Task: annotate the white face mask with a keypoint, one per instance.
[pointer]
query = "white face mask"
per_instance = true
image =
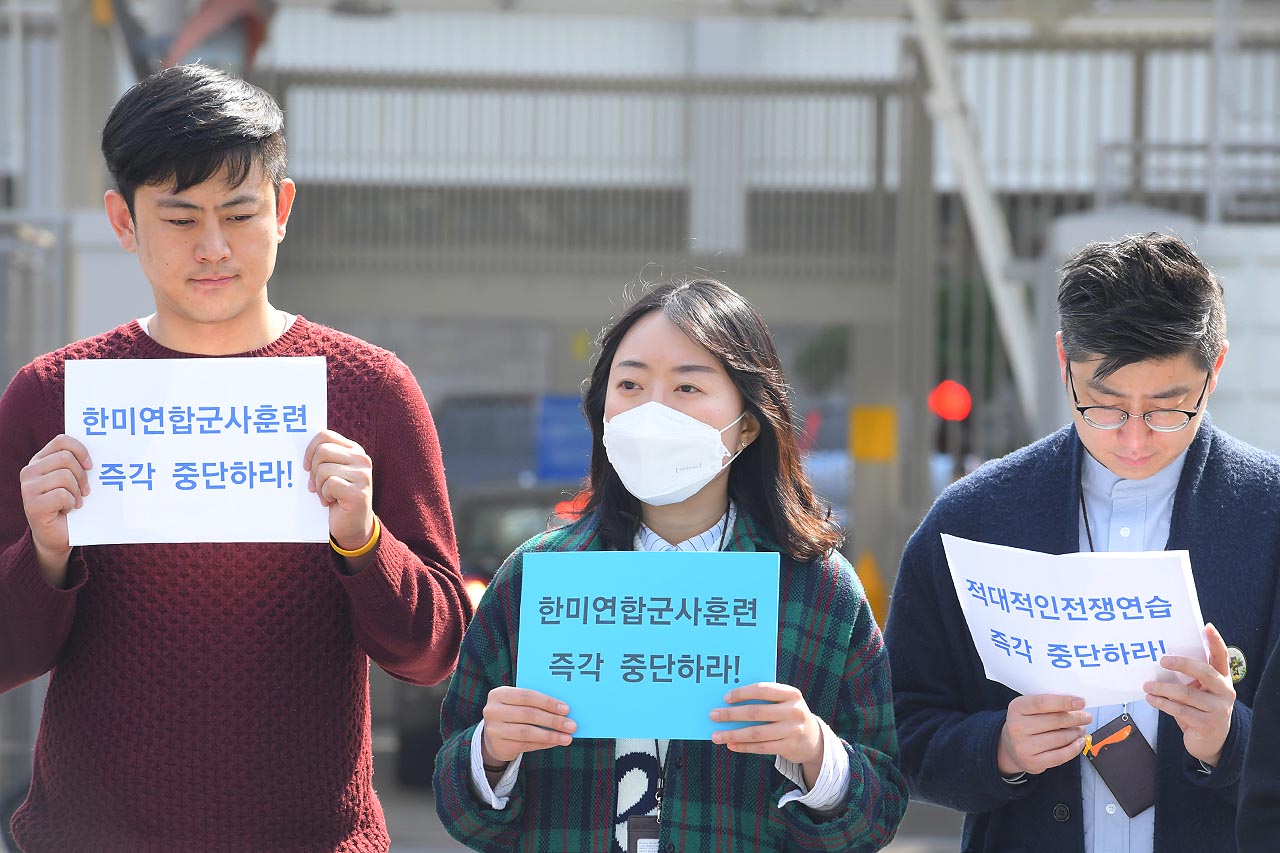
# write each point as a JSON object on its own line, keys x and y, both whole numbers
{"x": 663, "y": 456}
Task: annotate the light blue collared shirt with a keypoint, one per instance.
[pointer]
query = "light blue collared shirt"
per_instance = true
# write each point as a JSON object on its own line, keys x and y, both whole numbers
{"x": 1124, "y": 515}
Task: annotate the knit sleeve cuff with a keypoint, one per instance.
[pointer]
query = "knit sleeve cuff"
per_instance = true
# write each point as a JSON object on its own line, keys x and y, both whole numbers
{"x": 35, "y": 618}
{"x": 376, "y": 584}
{"x": 29, "y": 582}
{"x": 989, "y": 726}
{"x": 1226, "y": 774}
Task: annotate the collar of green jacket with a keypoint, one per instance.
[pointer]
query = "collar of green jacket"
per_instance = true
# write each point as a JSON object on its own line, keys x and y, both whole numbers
{"x": 582, "y": 535}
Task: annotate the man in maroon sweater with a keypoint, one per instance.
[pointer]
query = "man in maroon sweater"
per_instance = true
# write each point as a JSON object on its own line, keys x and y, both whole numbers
{"x": 216, "y": 696}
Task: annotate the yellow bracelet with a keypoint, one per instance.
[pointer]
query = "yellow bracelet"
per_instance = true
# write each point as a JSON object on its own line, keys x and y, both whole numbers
{"x": 364, "y": 549}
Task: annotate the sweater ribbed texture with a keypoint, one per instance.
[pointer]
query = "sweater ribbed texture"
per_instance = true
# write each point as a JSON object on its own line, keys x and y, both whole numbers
{"x": 215, "y": 696}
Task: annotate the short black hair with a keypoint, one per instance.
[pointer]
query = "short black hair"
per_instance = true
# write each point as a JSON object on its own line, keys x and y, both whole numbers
{"x": 185, "y": 124}
{"x": 1140, "y": 298}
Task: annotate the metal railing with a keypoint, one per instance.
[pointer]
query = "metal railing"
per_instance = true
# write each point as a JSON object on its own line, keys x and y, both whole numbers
{"x": 445, "y": 172}
{"x": 1175, "y": 176}
{"x": 1044, "y": 107}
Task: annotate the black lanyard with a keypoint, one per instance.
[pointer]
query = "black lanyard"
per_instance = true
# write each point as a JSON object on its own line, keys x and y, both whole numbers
{"x": 1084, "y": 510}
{"x": 657, "y": 747}
{"x": 662, "y": 772}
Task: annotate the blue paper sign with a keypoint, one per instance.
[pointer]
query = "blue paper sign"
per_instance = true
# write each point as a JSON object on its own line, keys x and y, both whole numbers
{"x": 643, "y": 644}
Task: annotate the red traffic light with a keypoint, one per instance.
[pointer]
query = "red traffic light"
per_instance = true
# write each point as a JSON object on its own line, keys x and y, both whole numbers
{"x": 950, "y": 401}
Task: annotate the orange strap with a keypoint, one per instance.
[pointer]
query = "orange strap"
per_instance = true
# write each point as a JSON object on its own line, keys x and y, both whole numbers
{"x": 1091, "y": 748}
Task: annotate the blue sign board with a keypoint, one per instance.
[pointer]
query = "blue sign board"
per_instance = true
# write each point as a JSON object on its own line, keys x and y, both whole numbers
{"x": 564, "y": 441}
{"x": 643, "y": 644}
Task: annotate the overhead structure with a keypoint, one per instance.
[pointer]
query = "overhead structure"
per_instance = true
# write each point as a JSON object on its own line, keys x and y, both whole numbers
{"x": 1064, "y": 16}
{"x": 990, "y": 230}
{"x": 1224, "y": 46}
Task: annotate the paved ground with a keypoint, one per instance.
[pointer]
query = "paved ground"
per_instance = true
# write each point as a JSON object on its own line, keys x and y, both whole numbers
{"x": 411, "y": 817}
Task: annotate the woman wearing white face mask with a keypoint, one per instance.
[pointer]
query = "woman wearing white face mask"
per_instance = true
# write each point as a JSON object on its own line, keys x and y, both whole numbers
{"x": 694, "y": 449}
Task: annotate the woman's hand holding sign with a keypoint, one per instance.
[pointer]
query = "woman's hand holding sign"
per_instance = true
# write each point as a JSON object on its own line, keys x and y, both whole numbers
{"x": 342, "y": 475}
{"x": 1202, "y": 709}
{"x": 517, "y": 720}
{"x": 788, "y": 728}
{"x": 54, "y": 482}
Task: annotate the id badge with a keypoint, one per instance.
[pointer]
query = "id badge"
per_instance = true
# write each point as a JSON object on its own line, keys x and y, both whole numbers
{"x": 1126, "y": 762}
{"x": 642, "y": 834}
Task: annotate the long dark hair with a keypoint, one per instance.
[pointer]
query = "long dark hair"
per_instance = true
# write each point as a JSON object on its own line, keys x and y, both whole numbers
{"x": 767, "y": 480}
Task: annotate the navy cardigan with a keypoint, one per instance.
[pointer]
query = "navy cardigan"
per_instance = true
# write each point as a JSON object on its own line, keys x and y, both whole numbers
{"x": 1226, "y": 513}
{"x": 1258, "y": 830}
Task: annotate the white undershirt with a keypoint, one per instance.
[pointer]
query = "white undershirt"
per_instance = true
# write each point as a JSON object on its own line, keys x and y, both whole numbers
{"x": 145, "y": 322}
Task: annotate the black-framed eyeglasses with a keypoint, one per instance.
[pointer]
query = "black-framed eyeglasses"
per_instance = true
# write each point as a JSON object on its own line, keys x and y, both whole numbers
{"x": 1160, "y": 420}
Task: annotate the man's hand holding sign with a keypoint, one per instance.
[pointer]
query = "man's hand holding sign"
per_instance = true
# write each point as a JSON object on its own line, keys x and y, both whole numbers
{"x": 55, "y": 482}
{"x": 1202, "y": 709}
{"x": 341, "y": 473}
{"x": 1041, "y": 731}
{"x": 1140, "y": 637}
{"x": 1046, "y": 730}
{"x": 200, "y": 450}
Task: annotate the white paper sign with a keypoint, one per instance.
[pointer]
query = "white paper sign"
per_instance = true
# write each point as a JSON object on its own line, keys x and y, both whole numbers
{"x": 1089, "y": 625}
{"x": 197, "y": 449}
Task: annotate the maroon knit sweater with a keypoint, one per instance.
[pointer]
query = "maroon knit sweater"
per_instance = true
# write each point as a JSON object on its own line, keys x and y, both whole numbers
{"x": 216, "y": 696}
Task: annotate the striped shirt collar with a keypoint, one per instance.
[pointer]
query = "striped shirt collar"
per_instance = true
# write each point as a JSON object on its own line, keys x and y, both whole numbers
{"x": 647, "y": 540}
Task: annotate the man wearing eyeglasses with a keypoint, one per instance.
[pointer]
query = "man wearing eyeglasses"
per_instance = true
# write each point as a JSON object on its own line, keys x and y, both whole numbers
{"x": 1141, "y": 467}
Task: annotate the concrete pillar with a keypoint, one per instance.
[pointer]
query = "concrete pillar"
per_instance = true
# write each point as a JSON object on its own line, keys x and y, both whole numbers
{"x": 87, "y": 93}
{"x": 874, "y": 416}
{"x": 718, "y": 47}
{"x": 890, "y": 373}
{"x": 917, "y": 329}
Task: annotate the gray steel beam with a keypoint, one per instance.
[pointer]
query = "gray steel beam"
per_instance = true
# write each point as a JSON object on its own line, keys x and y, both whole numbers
{"x": 986, "y": 219}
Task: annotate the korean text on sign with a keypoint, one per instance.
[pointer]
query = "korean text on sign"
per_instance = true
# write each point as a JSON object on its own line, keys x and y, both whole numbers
{"x": 646, "y": 644}
{"x": 197, "y": 450}
{"x": 1090, "y": 625}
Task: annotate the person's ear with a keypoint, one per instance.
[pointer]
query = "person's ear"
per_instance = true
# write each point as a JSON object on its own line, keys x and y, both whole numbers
{"x": 121, "y": 220}
{"x": 284, "y": 206}
{"x": 1062, "y": 358}
{"x": 749, "y": 433}
{"x": 1217, "y": 365}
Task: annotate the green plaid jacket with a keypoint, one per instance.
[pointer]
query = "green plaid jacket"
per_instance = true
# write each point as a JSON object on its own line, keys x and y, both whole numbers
{"x": 564, "y": 799}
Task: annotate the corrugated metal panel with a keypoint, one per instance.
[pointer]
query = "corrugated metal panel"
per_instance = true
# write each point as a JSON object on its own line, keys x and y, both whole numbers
{"x": 476, "y": 44}
{"x": 451, "y": 137}
{"x": 419, "y": 171}
{"x": 521, "y": 44}
{"x": 1042, "y": 115}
